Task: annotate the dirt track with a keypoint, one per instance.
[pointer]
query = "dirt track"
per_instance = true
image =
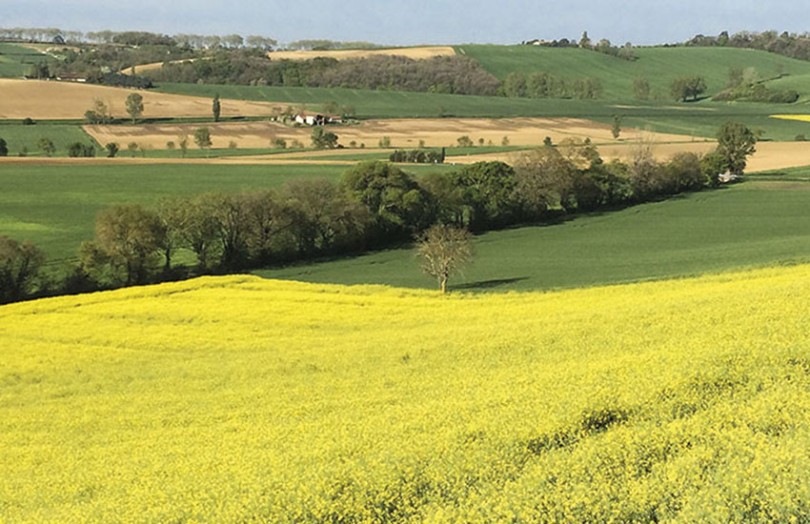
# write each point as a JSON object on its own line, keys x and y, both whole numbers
{"x": 40, "y": 100}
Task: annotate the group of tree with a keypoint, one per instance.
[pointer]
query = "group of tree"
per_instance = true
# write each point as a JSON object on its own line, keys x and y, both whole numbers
{"x": 688, "y": 87}
{"x": 625, "y": 52}
{"x": 746, "y": 85}
{"x": 541, "y": 84}
{"x": 449, "y": 74}
{"x": 374, "y": 205}
{"x": 418, "y": 156}
{"x": 328, "y": 45}
{"x": 788, "y": 44}
{"x": 136, "y": 38}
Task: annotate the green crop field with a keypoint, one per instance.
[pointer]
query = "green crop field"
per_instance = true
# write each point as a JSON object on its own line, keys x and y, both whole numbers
{"x": 659, "y": 65}
{"x": 762, "y": 221}
{"x": 24, "y": 139}
{"x": 55, "y": 206}
{"x": 15, "y": 60}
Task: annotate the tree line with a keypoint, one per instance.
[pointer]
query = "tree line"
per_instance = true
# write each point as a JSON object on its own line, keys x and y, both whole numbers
{"x": 788, "y": 44}
{"x": 374, "y": 205}
{"x": 541, "y": 84}
{"x": 135, "y": 38}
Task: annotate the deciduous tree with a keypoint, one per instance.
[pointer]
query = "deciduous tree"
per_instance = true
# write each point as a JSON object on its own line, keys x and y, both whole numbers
{"x": 444, "y": 250}
{"x": 398, "y": 205}
{"x": 20, "y": 264}
{"x": 216, "y": 108}
{"x": 47, "y": 146}
{"x": 130, "y": 236}
{"x": 735, "y": 143}
{"x": 323, "y": 139}
{"x": 134, "y": 105}
{"x": 202, "y": 137}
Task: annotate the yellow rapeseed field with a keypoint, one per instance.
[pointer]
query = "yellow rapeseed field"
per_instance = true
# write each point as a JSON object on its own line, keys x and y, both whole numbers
{"x": 800, "y": 118}
{"x": 243, "y": 400}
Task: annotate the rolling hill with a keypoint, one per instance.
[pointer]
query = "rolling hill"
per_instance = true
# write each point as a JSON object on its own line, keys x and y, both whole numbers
{"x": 659, "y": 65}
{"x": 238, "y": 399}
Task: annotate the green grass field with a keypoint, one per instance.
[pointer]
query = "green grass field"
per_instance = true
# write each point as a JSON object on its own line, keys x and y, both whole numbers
{"x": 762, "y": 221}
{"x": 15, "y": 60}
{"x": 659, "y": 65}
{"x": 55, "y": 206}
{"x": 25, "y": 138}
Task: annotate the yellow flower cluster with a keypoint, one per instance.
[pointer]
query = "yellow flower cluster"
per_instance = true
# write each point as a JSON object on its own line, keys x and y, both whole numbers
{"x": 244, "y": 400}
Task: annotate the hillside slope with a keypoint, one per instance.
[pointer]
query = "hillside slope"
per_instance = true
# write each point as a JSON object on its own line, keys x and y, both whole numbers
{"x": 242, "y": 400}
{"x": 659, "y": 65}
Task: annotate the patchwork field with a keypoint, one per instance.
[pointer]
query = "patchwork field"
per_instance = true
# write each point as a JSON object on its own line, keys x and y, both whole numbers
{"x": 402, "y": 133}
{"x": 679, "y": 401}
{"x": 65, "y": 100}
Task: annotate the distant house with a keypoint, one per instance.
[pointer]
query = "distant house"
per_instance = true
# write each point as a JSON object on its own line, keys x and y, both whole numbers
{"x": 316, "y": 119}
{"x": 59, "y": 40}
{"x": 71, "y": 78}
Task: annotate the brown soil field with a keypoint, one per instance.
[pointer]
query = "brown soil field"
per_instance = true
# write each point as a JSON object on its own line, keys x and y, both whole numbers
{"x": 402, "y": 133}
{"x": 40, "y": 99}
{"x": 415, "y": 53}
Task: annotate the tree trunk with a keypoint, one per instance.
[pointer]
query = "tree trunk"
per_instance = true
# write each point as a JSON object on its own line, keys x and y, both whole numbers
{"x": 443, "y": 284}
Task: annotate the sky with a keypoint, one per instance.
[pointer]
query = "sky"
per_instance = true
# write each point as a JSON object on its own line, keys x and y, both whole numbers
{"x": 413, "y": 22}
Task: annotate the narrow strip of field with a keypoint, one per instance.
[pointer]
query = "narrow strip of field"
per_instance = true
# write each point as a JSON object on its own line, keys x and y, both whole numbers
{"x": 769, "y": 155}
{"x": 399, "y": 133}
{"x": 414, "y": 53}
{"x": 51, "y": 100}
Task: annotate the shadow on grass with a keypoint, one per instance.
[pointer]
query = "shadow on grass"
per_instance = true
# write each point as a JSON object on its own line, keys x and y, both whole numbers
{"x": 488, "y": 284}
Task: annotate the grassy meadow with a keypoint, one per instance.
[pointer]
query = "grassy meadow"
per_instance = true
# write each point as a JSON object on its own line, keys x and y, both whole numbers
{"x": 243, "y": 400}
{"x": 25, "y": 138}
{"x": 659, "y": 65}
{"x": 760, "y": 222}
{"x": 16, "y": 60}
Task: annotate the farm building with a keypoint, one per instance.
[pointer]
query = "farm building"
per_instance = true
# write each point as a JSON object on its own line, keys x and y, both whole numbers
{"x": 316, "y": 119}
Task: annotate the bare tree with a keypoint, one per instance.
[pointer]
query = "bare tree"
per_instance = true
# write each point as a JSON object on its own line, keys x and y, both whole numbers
{"x": 444, "y": 250}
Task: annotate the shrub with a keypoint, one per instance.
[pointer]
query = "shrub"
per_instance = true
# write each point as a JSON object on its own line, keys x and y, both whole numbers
{"x": 78, "y": 149}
